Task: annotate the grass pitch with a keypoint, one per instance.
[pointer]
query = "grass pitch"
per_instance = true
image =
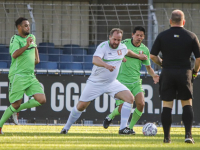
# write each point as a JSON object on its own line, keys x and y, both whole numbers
{"x": 23, "y": 137}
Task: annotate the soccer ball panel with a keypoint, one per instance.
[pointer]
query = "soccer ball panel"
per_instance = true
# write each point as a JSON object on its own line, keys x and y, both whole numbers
{"x": 149, "y": 129}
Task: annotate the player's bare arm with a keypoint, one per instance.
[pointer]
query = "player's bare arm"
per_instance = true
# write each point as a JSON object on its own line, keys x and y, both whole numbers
{"x": 18, "y": 52}
{"x": 152, "y": 73}
{"x": 37, "y": 58}
{"x": 156, "y": 59}
{"x": 99, "y": 62}
{"x": 138, "y": 56}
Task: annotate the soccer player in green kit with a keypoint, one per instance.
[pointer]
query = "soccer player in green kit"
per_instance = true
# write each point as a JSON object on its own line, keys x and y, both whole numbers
{"x": 129, "y": 75}
{"x": 24, "y": 54}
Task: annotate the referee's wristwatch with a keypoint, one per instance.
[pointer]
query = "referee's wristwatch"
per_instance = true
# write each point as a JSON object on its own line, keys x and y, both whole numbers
{"x": 194, "y": 73}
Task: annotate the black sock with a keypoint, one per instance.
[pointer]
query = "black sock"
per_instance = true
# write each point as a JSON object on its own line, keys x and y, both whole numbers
{"x": 187, "y": 118}
{"x": 166, "y": 119}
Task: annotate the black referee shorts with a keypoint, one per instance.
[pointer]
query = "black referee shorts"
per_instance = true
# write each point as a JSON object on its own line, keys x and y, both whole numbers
{"x": 176, "y": 84}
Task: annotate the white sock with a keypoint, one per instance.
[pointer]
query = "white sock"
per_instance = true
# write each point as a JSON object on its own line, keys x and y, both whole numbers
{"x": 125, "y": 113}
{"x": 74, "y": 115}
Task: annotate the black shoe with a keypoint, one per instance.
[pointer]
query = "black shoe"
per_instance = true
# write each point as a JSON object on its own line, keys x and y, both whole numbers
{"x": 189, "y": 139}
{"x": 167, "y": 140}
{"x": 132, "y": 131}
{"x": 107, "y": 121}
{"x": 63, "y": 131}
{"x": 125, "y": 131}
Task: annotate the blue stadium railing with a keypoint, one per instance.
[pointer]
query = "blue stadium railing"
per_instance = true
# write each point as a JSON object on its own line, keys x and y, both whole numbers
{"x": 69, "y": 59}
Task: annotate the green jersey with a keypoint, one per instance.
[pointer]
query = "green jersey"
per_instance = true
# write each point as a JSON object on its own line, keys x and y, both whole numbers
{"x": 25, "y": 63}
{"x": 130, "y": 70}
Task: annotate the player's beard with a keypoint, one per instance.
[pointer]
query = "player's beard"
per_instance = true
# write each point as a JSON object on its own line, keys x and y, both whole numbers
{"x": 26, "y": 33}
{"x": 114, "y": 46}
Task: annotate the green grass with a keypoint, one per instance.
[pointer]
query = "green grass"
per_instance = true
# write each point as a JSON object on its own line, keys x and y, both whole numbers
{"x": 90, "y": 137}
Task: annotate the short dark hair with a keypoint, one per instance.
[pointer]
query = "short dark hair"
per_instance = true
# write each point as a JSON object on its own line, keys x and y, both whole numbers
{"x": 19, "y": 21}
{"x": 116, "y": 29}
{"x": 140, "y": 28}
{"x": 177, "y": 16}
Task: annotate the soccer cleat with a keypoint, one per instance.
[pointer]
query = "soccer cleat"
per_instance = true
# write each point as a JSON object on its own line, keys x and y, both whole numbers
{"x": 15, "y": 118}
{"x": 167, "y": 140}
{"x": 132, "y": 131}
{"x": 107, "y": 121}
{"x": 189, "y": 139}
{"x": 125, "y": 131}
{"x": 64, "y": 131}
{"x": 1, "y": 131}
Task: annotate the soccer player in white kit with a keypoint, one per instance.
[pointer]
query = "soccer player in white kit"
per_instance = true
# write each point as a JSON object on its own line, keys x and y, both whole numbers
{"x": 107, "y": 60}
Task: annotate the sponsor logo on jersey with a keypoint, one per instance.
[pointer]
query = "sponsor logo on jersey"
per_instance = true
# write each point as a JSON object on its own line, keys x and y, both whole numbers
{"x": 119, "y": 52}
{"x": 176, "y": 36}
{"x": 141, "y": 52}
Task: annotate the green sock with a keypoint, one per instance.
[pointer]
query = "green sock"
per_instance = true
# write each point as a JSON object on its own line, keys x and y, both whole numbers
{"x": 135, "y": 117}
{"x": 6, "y": 115}
{"x": 31, "y": 103}
{"x": 114, "y": 113}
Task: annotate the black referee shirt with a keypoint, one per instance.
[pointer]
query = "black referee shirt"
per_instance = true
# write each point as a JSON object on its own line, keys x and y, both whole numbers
{"x": 176, "y": 45}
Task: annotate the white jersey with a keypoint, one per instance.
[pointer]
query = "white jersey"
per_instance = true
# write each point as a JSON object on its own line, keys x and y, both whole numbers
{"x": 110, "y": 56}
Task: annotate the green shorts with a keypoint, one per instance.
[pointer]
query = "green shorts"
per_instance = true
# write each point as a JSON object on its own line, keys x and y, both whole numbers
{"x": 135, "y": 88}
{"x": 20, "y": 84}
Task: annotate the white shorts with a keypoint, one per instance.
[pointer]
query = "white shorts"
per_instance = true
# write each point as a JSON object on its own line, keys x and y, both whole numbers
{"x": 93, "y": 90}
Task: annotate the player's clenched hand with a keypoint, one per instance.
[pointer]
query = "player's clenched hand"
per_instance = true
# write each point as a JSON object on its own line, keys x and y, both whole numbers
{"x": 29, "y": 41}
{"x": 142, "y": 57}
{"x": 109, "y": 67}
{"x": 124, "y": 59}
{"x": 194, "y": 73}
{"x": 156, "y": 78}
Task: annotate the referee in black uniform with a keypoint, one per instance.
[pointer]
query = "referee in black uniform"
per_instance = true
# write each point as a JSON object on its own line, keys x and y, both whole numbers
{"x": 176, "y": 79}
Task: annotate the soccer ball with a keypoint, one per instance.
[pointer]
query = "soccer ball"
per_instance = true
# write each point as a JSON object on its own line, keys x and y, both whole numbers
{"x": 149, "y": 129}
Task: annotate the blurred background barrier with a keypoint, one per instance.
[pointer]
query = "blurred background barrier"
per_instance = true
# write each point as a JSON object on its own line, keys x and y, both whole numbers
{"x": 63, "y": 92}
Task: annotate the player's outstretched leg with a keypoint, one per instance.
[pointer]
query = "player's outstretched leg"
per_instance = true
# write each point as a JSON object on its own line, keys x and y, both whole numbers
{"x": 135, "y": 117}
{"x": 41, "y": 99}
{"x": 128, "y": 98}
{"x": 107, "y": 121}
{"x": 139, "y": 101}
{"x": 38, "y": 100}
{"x": 30, "y": 104}
{"x": 125, "y": 113}
{"x": 6, "y": 115}
{"x": 74, "y": 115}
